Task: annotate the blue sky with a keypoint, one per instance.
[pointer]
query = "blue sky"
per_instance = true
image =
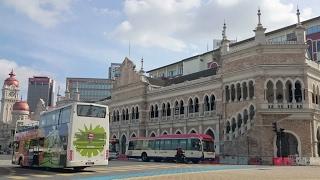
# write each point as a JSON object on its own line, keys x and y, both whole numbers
{"x": 80, "y": 38}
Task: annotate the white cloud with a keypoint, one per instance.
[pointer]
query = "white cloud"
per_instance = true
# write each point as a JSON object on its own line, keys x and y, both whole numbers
{"x": 22, "y": 74}
{"x": 175, "y": 24}
{"x": 45, "y": 12}
{"x": 107, "y": 12}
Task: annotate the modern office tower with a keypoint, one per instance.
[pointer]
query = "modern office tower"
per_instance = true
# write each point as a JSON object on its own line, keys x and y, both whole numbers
{"x": 114, "y": 70}
{"x": 40, "y": 87}
{"x": 90, "y": 89}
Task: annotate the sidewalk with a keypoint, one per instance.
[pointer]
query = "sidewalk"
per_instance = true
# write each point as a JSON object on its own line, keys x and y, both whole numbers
{"x": 5, "y": 160}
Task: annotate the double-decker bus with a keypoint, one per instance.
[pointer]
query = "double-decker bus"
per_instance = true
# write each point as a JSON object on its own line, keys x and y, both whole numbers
{"x": 71, "y": 136}
{"x": 196, "y": 147}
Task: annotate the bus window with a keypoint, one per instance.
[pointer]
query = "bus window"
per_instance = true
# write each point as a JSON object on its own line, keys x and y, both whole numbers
{"x": 157, "y": 145}
{"x": 139, "y": 145}
{"x": 91, "y": 111}
{"x": 175, "y": 144}
{"x": 132, "y": 145}
{"x": 208, "y": 146}
{"x": 167, "y": 144}
{"x": 183, "y": 143}
{"x": 194, "y": 144}
{"x": 151, "y": 144}
{"x": 65, "y": 115}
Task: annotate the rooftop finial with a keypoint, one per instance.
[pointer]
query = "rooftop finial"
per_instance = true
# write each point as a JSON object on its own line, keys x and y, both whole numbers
{"x": 77, "y": 89}
{"x": 141, "y": 64}
{"x": 12, "y": 73}
{"x": 259, "y": 16}
{"x": 224, "y": 36}
{"x": 298, "y": 15}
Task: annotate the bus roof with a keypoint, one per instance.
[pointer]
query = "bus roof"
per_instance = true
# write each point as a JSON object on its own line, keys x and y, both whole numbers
{"x": 176, "y": 136}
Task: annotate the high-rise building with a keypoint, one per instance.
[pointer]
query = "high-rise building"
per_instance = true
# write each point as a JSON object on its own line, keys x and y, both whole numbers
{"x": 89, "y": 89}
{"x": 114, "y": 70}
{"x": 40, "y": 87}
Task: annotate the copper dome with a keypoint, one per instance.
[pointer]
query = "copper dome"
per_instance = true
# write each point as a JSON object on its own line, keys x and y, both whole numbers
{"x": 11, "y": 80}
{"x": 21, "y": 106}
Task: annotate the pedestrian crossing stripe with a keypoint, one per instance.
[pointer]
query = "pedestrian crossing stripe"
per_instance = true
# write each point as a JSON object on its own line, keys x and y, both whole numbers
{"x": 17, "y": 177}
{"x": 41, "y": 175}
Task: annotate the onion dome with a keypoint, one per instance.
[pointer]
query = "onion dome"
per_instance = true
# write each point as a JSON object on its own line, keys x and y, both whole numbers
{"x": 12, "y": 80}
{"x": 21, "y": 106}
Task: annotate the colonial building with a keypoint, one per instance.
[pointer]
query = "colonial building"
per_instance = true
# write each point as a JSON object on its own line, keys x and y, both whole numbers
{"x": 255, "y": 85}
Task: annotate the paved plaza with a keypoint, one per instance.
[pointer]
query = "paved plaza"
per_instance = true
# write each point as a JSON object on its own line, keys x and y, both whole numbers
{"x": 135, "y": 170}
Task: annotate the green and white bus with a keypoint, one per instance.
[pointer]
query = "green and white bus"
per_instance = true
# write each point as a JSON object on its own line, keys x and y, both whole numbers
{"x": 72, "y": 136}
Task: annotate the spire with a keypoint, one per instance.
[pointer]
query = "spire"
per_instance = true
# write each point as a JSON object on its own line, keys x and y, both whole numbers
{"x": 298, "y": 16}
{"x": 259, "y": 17}
{"x": 260, "y": 36}
{"x": 224, "y": 36}
{"x": 300, "y": 30}
{"x": 12, "y": 74}
{"x": 141, "y": 70}
{"x": 225, "y": 42}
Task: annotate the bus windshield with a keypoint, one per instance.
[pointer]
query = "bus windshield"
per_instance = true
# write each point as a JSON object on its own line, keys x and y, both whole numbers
{"x": 208, "y": 146}
{"x": 91, "y": 111}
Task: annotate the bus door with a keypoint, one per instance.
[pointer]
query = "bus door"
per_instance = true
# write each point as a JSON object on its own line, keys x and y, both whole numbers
{"x": 33, "y": 152}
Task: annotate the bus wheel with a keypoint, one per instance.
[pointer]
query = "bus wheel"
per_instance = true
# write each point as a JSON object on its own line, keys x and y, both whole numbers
{"x": 144, "y": 157}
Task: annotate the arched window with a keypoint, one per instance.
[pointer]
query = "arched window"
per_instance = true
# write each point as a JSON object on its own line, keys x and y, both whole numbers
{"x": 190, "y": 104}
{"x": 193, "y": 132}
{"x": 251, "y": 89}
{"x": 178, "y": 132}
{"x": 123, "y": 115}
{"x": 181, "y": 107}
{"x": 239, "y": 120}
{"x": 127, "y": 114}
{"x": 152, "y": 135}
{"x": 317, "y": 95}
{"x": 168, "y": 109}
{"x": 270, "y": 94}
{"x": 114, "y": 116}
{"x": 118, "y": 116}
{"x": 233, "y": 92}
{"x": 137, "y": 112}
{"x": 279, "y": 92}
{"x": 313, "y": 93}
{"x": 289, "y": 96}
{"x": 245, "y": 90}
{"x": 206, "y": 103}
{"x": 238, "y": 91}
{"x": 227, "y": 94}
{"x": 251, "y": 112}
{"x": 165, "y": 133}
{"x": 234, "y": 124}
{"x": 133, "y": 135}
{"x": 298, "y": 92}
{"x": 245, "y": 116}
{"x": 133, "y": 115}
{"x": 212, "y": 102}
{"x": 228, "y": 128}
{"x": 164, "y": 112}
{"x": 156, "y": 111}
{"x": 196, "y": 105}
{"x": 152, "y": 111}
{"x": 176, "y": 108}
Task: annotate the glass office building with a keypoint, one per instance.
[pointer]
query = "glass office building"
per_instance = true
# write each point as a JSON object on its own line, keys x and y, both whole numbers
{"x": 90, "y": 89}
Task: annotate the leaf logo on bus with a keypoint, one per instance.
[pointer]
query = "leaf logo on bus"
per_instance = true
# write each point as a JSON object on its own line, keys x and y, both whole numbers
{"x": 90, "y": 141}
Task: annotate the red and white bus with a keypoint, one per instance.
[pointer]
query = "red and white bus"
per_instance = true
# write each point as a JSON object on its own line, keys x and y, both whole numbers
{"x": 196, "y": 147}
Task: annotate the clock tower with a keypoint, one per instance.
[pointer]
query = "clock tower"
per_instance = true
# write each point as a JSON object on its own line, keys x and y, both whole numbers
{"x": 10, "y": 95}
